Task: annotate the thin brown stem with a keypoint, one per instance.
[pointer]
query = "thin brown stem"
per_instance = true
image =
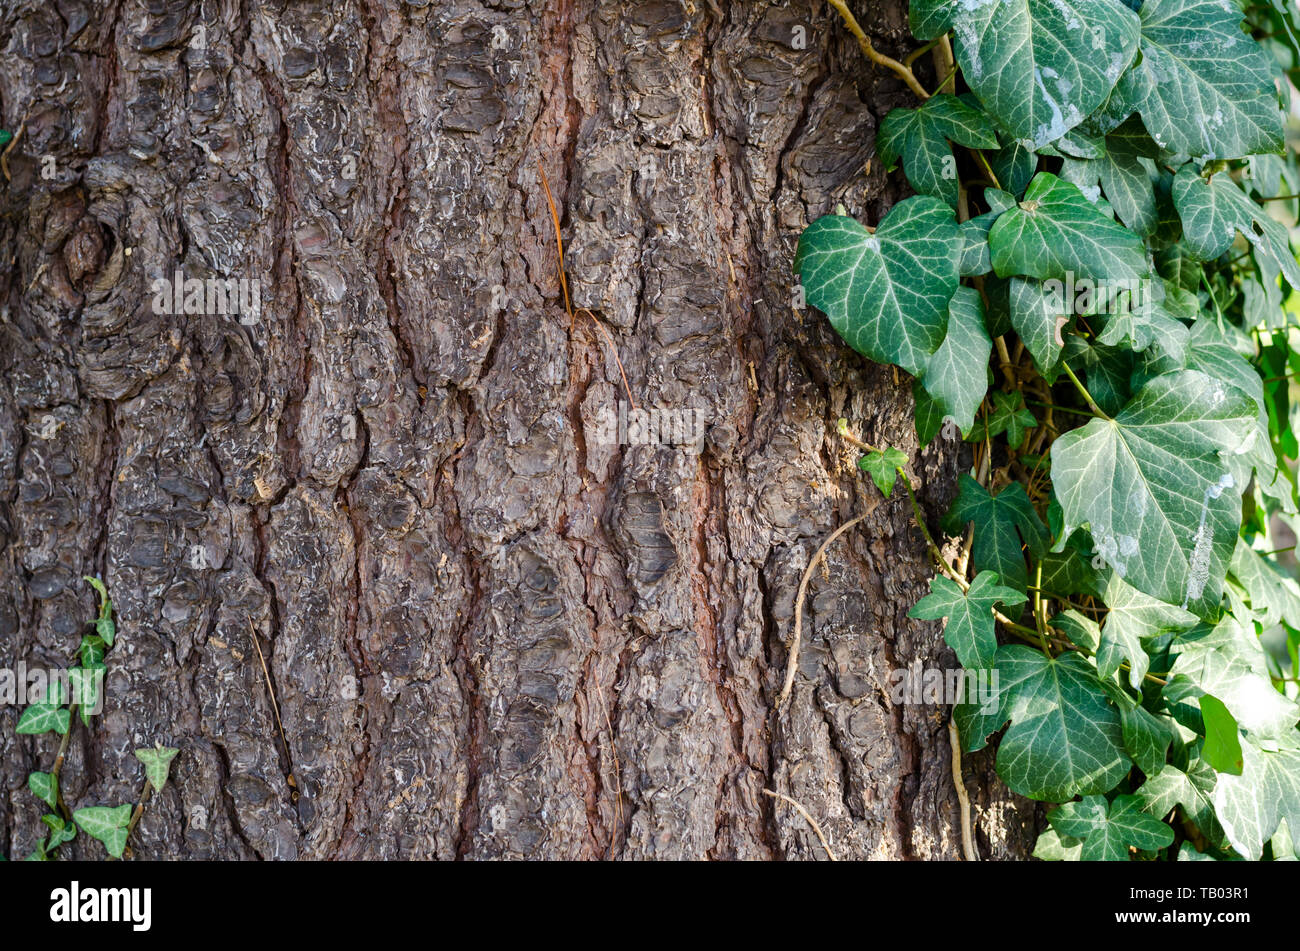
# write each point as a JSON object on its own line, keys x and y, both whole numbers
{"x": 880, "y": 59}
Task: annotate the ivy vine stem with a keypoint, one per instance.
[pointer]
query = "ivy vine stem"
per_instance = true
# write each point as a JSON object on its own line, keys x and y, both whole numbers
{"x": 880, "y": 59}
{"x": 1092, "y": 404}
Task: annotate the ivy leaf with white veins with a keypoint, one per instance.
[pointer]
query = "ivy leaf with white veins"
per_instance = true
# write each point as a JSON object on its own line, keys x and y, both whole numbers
{"x": 157, "y": 764}
{"x": 957, "y": 375}
{"x": 1038, "y": 66}
{"x": 1064, "y": 739}
{"x": 1192, "y": 790}
{"x": 1055, "y": 231}
{"x": 1250, "y": 805}
{"x": 106, "y": 824}
{"x": 1132, "y": 616}
{"x": 1273, "y": 595}
{"x": 1146, "y": 738}
{"x": 969, "y": 630}
{"x": 1124, "y": 178}
{"x": 885, "y": 293}
{"x": 1214, "y": 211}
{"x": 1109, "y": 831}
{"x": 1005, "y": 524}
{"x": 1202, "y": 86}
{"x": 921, "y": 136}
{"x": 1152, "y": 486}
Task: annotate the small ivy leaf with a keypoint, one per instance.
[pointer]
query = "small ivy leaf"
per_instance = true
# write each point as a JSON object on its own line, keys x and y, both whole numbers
{"x": 886, "y": 293}
{"x": 92, "y": 651}
{"x": 1009, "y": 416}
{"x": 45, "y": 787}
{"x": 106, "y": 629}
{"x": 98, "y": 585}
{"x": 107, "y": 824}
{"x": 1040, "y": 68}
{"x": 921, "y": 138}
{"x": 969, "y": 630}
{"x": 1222, "y": 748}
{"x": 44, "y": 717}
{"x": 1065, "y": 738}
{"x": 1251, "y": 805}
{"x": 1005, "y": 524}
{"x": 1108, "y": 832}
{"x": 1192, "y": 790}
{"x": 60, "y": 831}
{"x": 957, "y": 373}
{"x": 1214, "y": 212}
{"x": 1151, "y": 485}
{"x": 1014, "y": 165}
{"x": 157, "y": 764}
{"x": 1054, "y": 847}
{"x": 882, "y": 466}
{"x": 1056, "y": 232}
{"x": 1146, "y": 738}
{"x": 1202, "y": 86}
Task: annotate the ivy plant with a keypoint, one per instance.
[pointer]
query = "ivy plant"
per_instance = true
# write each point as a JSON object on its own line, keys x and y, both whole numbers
{"x": 1094, "y": 287}
{"x": 111, "y": 825}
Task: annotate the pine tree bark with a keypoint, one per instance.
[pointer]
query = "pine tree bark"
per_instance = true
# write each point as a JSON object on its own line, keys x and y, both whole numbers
{"x": 489, "y": 632}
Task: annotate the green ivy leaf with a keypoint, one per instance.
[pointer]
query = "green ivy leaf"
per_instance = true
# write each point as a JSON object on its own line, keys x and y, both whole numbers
{"x": 60, "y": 831}
{"x": 1038, "y": 316}
{"x": 929, "y": 414}
{"x": 969, "y": 629}
{"x": 1009, "y": 416}
{"x": 1124, "y": 174}
{"x": 1146, "y": 738}
{"x": 158, "y": 761}
{"x": 1039, "y": 67}
{"x": 1251, "y": 805}
{"x": 1056, "y": 232}
{"x": 1202, "y": 86}
{"x": 1065, "y": 738}
{"x": 1222, "y": 748}
{"x": 975, "y": 244}
{"x": 107, "y": 824}
{"x": 1054, "y": 847}
{"x": 92, "y": 651}
{"x": 1108, "y": 832}
{"x": 1004, "y": 524}
{"x": 1272, "y": 595}
{"x": 86, "y": 684}
{"x": 1150, "y": 483}
{"x": 886, "y": 293}
{"x": 1214, "y": 212}
{"x": 106, "y": 629}
{"x": 921, "y": 136}
{"x": 957, "y": 374}
{"x": 1081, "y": 630}
{"x": 44, "y": 717}
{"x": 45, "y": 787}
{"x": 1192, "y": 790}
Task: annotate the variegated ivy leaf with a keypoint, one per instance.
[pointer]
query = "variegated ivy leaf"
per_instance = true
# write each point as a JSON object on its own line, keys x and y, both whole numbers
{"x": 1056, "y": 232}
{"x": 43, "y": 717}
{"x": 1005, "y": 525}
{"x": 1202, "y": 86}
{"x": 107, "y": 824}
{"x": 885, "y": 293}
{"x": 1108, "y": 831}
{"x": 45, "y": 787}
{"x": 1154, "y": 488}
{"x": 1065, "y": 738}
{"x": 1251, "y": 805}
{"x": 1214, "y": 212}
{"x": 1038, "y": 66}
{"x": 921, "y": 138}
{"x": 158, "y": 763}
{"x": 957, "y": 374}
{"x": 969, "y": 629}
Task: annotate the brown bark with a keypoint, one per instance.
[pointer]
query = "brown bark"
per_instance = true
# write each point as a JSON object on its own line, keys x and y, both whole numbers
{"x": 490, "y": 633}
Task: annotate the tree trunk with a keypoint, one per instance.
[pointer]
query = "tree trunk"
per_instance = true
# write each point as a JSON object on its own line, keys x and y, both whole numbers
{"x": 489, "y": 629}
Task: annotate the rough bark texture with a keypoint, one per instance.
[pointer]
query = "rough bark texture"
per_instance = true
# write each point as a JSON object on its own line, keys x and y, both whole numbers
{"x": 491, "y": 634}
